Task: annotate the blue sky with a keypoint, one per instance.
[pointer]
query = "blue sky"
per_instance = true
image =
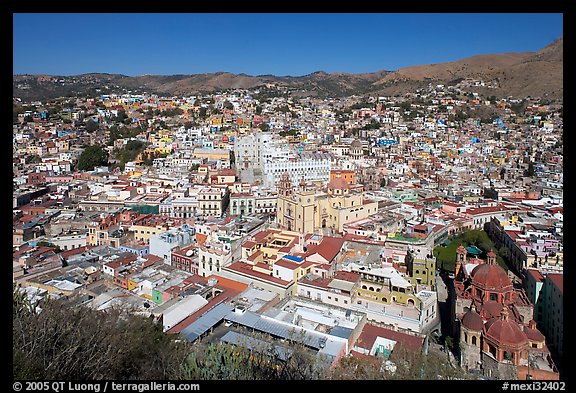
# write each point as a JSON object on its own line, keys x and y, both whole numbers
{"x": 254, "y": 44}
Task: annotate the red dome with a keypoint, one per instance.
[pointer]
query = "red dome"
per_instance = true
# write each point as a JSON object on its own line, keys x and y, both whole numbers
{"x": 490, "y": 277}
{"x": 472, "y": 321}
{"x": 533, "y": 333}
{"x": 505, "y": 331}
{"x": 338, "y": 184}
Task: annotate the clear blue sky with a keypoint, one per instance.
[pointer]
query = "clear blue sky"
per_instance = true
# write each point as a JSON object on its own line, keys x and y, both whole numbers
{"x": 255, "y": 44}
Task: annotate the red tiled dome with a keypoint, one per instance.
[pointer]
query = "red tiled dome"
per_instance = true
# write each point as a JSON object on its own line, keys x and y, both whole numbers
{"x": 505, "y": 331}
{"x": 490, "y": 277}
{"x": 472, "y": 321}
{"x": 533, "y": 333}
{"x": 338, "y": 184}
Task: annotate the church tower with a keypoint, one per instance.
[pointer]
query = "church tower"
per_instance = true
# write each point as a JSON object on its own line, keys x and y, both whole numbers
{"x": 285, "y": 185}
{"x": 460, "y": 259}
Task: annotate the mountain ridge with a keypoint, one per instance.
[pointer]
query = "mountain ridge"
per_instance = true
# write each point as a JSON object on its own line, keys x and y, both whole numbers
{"x": 517, "y": 74}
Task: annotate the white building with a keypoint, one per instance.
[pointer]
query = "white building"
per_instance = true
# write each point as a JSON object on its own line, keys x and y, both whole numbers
{"x": 248, "y": 150}
{"x": 310, "y": 166}
{"x": 213, "y": 200}
{"x": 162, "y": 244}
{"x": 212, "y": 257}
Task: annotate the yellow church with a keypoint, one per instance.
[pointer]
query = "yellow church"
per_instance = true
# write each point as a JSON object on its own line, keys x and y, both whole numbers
{"x": 305, "y": 211}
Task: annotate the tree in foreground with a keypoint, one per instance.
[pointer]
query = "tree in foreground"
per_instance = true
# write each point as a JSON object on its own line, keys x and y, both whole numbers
{"x": 254, "y": 358}
{"x": 403, "y": 364}
{"x": 60, "y": 341}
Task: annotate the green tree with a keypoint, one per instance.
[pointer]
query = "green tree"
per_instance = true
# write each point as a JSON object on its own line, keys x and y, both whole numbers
{"x": 264, "y": 127}
{"x": 263, "y": 361}
{"x": 91, "y": 125}
{"x": 530, "y": 172}
{"x": 34, "y": 159}
{"x": 121, "y": 116}
{"x": 130, "y": 151}
{"x": 91, "y": 157}
{"x": 403, "y": 364}
{"x": 16, "y": 110}
{"x": 64, "y": 341}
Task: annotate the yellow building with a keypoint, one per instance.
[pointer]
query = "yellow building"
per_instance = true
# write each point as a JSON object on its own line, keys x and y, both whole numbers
{"x": 163, "y": 150}
{"x": 422, "y": 270}
{"x": 63, "y": 145}
{"x": 499, "y": 160}
{"x": 212, "y": 154}
{"x": 305, "y": 211}
{"x": 164, "y": 134}
{"x": 386, "y": 285}
{"x": 147, "y": 226}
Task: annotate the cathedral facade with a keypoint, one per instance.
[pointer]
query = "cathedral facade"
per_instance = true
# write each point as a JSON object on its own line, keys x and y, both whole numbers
{"x": 305, "y": 210}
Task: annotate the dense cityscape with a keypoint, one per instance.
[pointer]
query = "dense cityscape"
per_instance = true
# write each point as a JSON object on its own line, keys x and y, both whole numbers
{"x": 360, "y": 230}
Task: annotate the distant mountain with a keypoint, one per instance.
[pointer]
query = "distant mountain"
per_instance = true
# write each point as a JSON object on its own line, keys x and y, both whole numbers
{"x": 535, "y": 74}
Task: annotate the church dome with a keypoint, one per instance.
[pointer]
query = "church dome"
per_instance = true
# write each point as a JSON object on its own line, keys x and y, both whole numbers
{"x": 472, "y": 321}
{"x": 356, "y": 144}
{"x": 533, "y": 333}
{"x": 505, "y": 331}
{"x": 338, "y": 184}
{"x": 490, "y": 276}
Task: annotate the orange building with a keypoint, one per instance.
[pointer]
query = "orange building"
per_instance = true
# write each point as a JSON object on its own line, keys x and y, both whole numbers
{"x": 347, "y": 175}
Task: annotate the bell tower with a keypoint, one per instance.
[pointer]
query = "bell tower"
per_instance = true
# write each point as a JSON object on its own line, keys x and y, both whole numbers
{"x": 460, "y": 259}
{"x": 285, "y": 185}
